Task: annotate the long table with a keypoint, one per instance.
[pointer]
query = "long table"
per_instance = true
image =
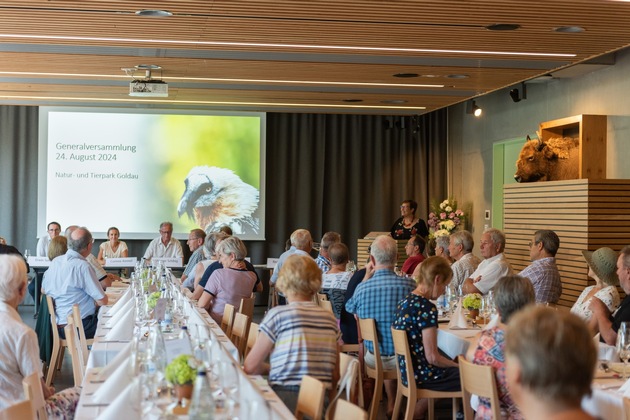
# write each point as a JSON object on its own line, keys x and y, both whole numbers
{"x": 254, "y": 391}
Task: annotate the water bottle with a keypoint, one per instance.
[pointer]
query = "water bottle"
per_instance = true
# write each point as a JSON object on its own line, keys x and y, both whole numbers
{"x": 202, "y": 404}
{"x": 184, "y": 334}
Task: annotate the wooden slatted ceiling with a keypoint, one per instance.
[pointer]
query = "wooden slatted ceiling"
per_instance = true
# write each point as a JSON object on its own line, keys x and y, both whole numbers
{"x": 401, "y": 24}
{"x": 586, "y": 215}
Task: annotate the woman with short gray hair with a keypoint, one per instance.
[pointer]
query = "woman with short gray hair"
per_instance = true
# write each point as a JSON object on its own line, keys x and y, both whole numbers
{"x": 511, "y": 294}
{"x": 19, "y": 347}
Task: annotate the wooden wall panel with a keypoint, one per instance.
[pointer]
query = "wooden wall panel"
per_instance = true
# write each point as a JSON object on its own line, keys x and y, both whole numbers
{"x": 585, "y": 215}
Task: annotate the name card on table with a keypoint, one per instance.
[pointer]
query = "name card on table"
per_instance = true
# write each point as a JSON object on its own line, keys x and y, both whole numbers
{"x": 121, "y": 262}
{"x": 175, "y": 347}
{"x": 272, "y": 262}
{"x": 168, "y": 262}
{"x": 38, "y": 261}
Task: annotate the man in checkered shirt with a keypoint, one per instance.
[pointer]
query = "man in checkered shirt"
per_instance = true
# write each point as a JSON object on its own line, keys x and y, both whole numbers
{"x": 543, "y": 271}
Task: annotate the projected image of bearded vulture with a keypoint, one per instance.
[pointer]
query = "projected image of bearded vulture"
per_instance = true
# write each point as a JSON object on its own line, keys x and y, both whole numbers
{"x": 216, "y": 197}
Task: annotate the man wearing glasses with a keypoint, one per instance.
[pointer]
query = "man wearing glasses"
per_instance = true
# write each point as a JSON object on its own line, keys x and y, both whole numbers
{"x": 54, "y": 229}
{"x": 165, "y": 246}
{"x": 543, "y": 271}
{"x": 492, "y": 268}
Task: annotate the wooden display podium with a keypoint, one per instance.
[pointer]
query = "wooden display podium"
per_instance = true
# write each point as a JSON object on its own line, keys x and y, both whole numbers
{"x": 586, "y": 215}
{"x": 365, "y": 242}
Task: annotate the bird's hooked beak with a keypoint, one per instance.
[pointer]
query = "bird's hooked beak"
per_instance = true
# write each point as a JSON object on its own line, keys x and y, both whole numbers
{"x": 184, "y": 204}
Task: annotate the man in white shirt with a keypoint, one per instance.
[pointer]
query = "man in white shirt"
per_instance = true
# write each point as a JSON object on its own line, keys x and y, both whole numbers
{"x": 53, "y": 229}
{"x": 301, "y": 244}
{"x": 165, "y": 246}
{"x": 493, "y": 267}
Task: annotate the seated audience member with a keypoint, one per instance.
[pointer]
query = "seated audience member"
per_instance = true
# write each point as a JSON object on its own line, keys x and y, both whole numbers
{"x": 209, "y": 246}
{"x": 511, "y": 294}
{"x": 113, "y": 248}
{"x": 18, "y": 344}
{"x": 323, "y": 259}
{"x": 441, "y": 248}
{"x": 550, "y": 361}
{"x": 460, "y": 248}
{"x": 376, "y": 297}
{"x": 335, "y": 281}
{"x": 3, "y": 241}
{"x": 165, "y": 246}
{"x": 608, "y": 323}
{"x": 417, "y": 315}
{"x": 347, "y": 322}
{"x": 543, "y": 271}
{"x": 227, "y": 230}
{"x": 71, "y": 280}
{"x": 53, "y": 229}
{"x": 414, "y": 250}
{"x": 195, "y": 244}
{"x": 408, "y": 224}
{"x": 492, "y": 268}
{"x": 105, "y": 279}
{"x": 231, "y": 283}
{"x": 301, "y": 244}
{"x": 602, "y": 267}
{"x": 299, "y": 338}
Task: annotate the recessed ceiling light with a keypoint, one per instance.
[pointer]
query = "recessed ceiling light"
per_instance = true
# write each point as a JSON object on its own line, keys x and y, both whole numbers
{"x": 458, "y": 76}
{"x": 353, "y": 100}
{"x": 503, "y": 27}
{"x": 154, "y": 13}
{"x": 394, "y": 101}
{"x": 406, "y": 75}
{"x": 433, "y": 75}
{"x": 569, "y": 29}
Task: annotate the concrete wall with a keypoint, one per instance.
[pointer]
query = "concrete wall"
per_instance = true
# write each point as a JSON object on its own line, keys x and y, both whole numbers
{"x": 605, "y": 92}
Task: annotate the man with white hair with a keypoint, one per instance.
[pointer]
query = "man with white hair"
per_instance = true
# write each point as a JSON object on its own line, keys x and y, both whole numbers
{"x": 165, "y": 246}
{"x": 493, "y": 267}
{"x": 460, "y": 247}
{"x": 377, "y": 297}
{"x": 72, "y": 280}
{"x": 301, "y": 244}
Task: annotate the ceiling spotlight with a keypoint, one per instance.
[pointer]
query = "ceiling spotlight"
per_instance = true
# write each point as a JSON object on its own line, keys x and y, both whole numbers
{"x": 472, "y": 108}
{"x": 516, "y": 95}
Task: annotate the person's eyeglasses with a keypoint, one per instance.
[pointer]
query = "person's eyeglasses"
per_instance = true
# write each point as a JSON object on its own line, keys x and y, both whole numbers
{"x": 164, "y": 232}
{"x": 486, "y": 243}
{"x": 530, "y": 243}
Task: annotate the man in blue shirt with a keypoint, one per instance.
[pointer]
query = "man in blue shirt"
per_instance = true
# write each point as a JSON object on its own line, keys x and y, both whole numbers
{"x": 376, "y": 297}
{"x": 323, "y": 259}
{"x": 70, "y": 279}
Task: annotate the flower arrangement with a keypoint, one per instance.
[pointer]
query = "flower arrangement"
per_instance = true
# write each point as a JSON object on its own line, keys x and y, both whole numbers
{"x": 444, "y": 218}
{"x": 182, "y": 370}
{"x": 472, "y": 301}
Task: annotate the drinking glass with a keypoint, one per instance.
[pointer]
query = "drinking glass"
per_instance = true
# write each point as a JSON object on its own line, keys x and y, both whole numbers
{"x": 27, "y": 254}
{"x": 485, "y": 311}
{"x": 229, "y": 385}
{"x": 451, "y": 292}
{"x": 623, "y": 345}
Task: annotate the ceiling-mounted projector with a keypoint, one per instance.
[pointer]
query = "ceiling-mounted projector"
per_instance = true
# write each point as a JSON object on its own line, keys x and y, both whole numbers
{"x": 151, "y": 88}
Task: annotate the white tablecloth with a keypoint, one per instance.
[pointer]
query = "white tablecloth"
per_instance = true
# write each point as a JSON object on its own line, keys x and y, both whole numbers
{"x": 455, "y": 342}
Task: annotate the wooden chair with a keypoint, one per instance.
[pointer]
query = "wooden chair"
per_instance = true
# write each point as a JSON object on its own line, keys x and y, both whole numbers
{"x": 310, "y": 399}
{"x": 325, "y": 304}
{"x": 481, "y": 381}
{"x": 345, "y": 410}
{"x": 411, "y": 391}
{"x": 34, "y": 393}
{"x": 626, "y": 407}
{"x": 58, "y": 346}
{"x": 84, "y": 343}
{"x": 20, "y": 410}
{"x": 74, "y": 347}
{"x": 350, "y": 382}
{"x": 322, "y": 297}
{"x": 240, "y": 332}
{"x": 251, "y": 337}
{"x": 228, "y": 319}
{"x": 247, "y": 307}
{"x": 367, "y": 331}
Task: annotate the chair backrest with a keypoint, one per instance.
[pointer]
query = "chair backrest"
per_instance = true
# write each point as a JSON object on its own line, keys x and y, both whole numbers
{"x": 251, "y": 337}
{"x": 401, "y": 348}
{"x": 310, "y": 399}
{"x": 78, "y": 322}
{"x": 367, "y": 331}
{"x": 53, "y": 319}
{"x": 228, "y": 319}
{"x": 626, "y": 407}
{"x": 240, "y": 332}
{"x": 20, "y": 410}
{"x": 33, "y": 392}
{"x": 322, "y": 297}
{"x": 247, "y": 307}
{"x": 349, "y": 377}
{"x": 326, "y": 305}
{"x": 345, "y": 410}
{"x": 478, "y": 380}
{"x": 74, "y": 346}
